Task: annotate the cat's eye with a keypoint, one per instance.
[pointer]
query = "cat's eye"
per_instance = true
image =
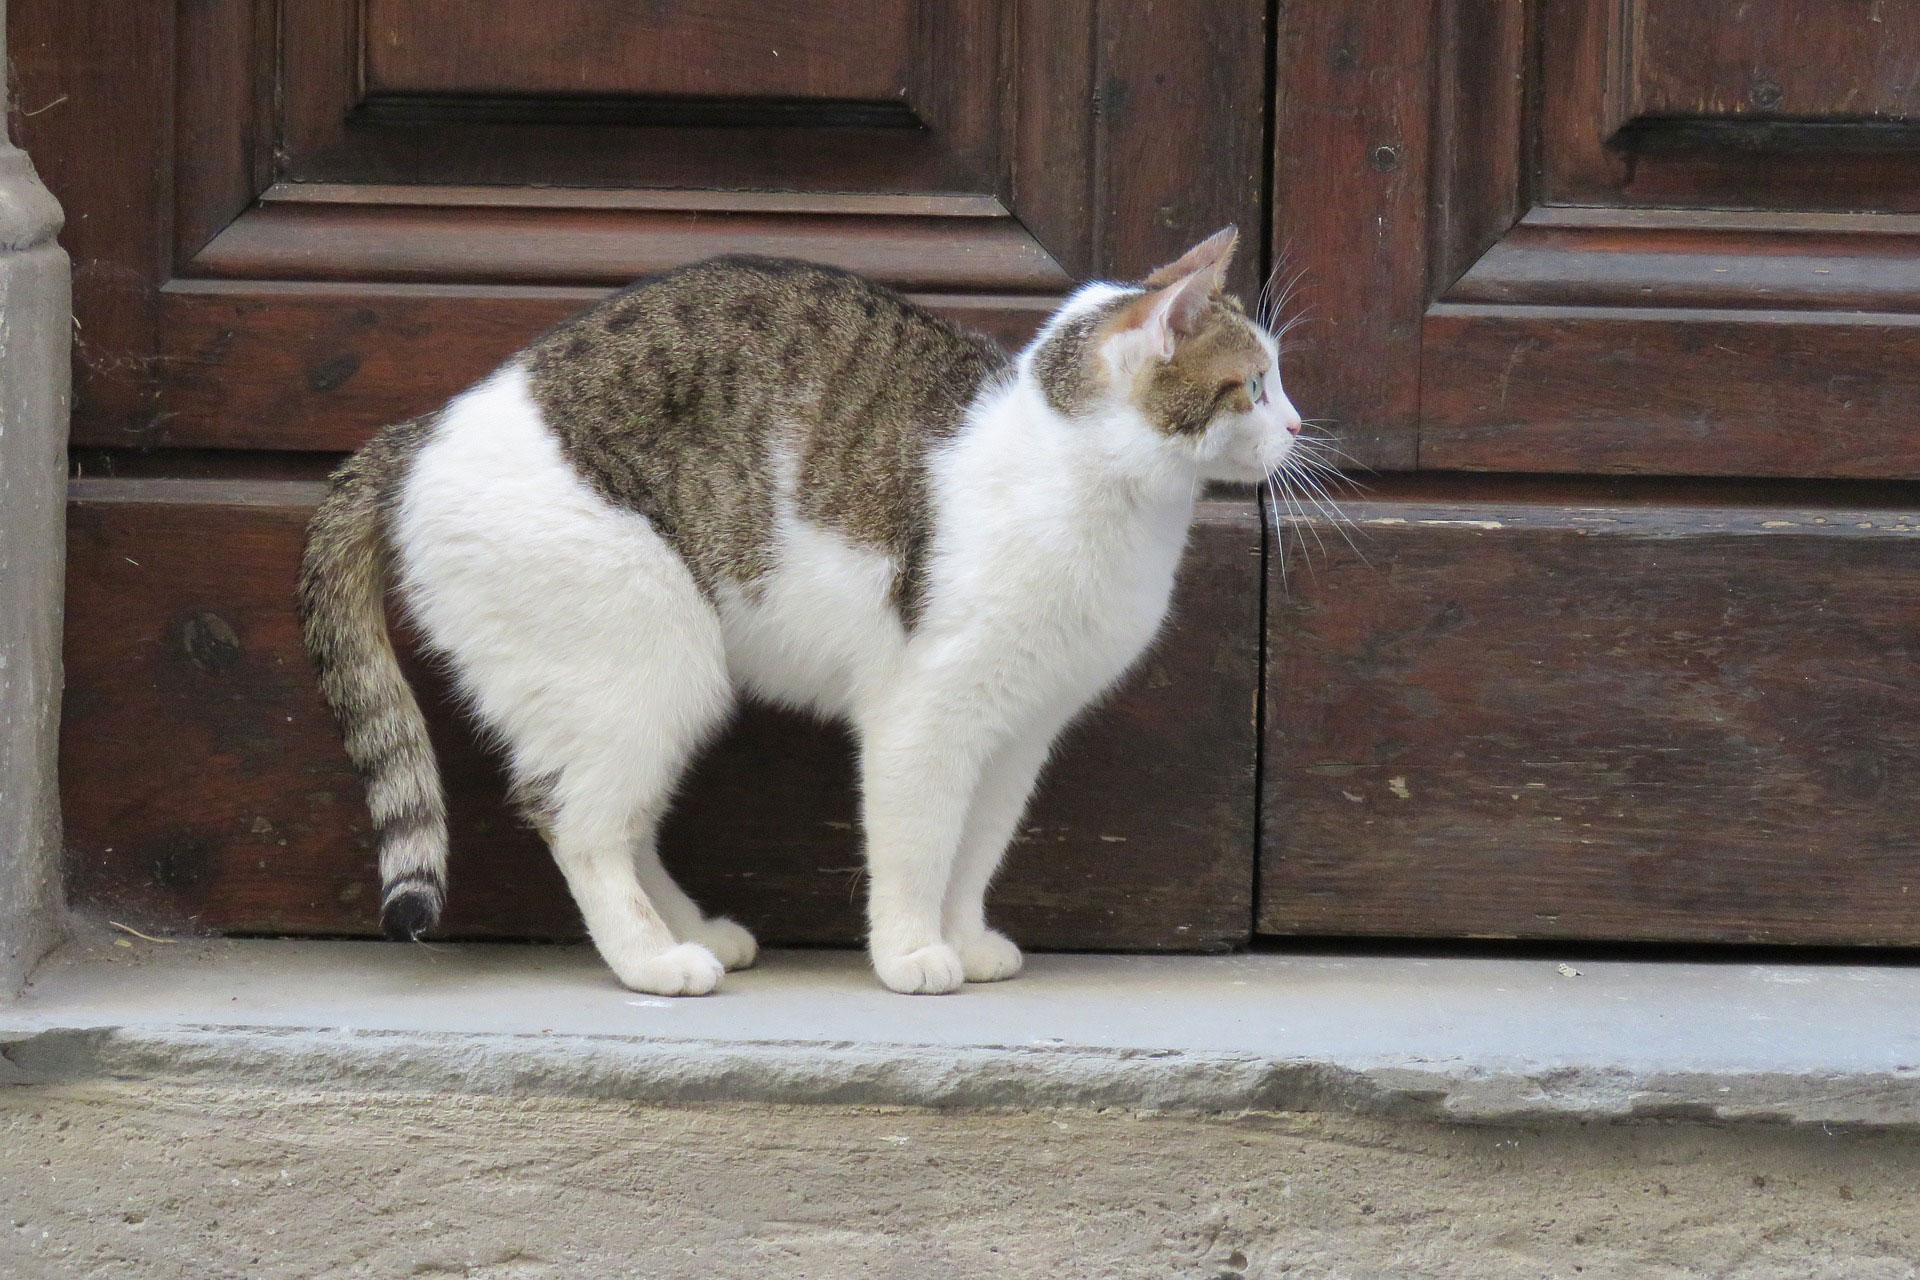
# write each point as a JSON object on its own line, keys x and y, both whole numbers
{"x": 1257, "y": 388}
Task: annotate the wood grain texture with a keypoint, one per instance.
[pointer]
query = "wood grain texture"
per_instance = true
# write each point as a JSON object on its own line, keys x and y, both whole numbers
{"x": 608, "y": 246}
{"x": 1750, "y": 58}
{"x": 1584, "y": 53}
{"x": 1716, "y": 170}
{"x": 850, "y": 49}
{"x": 441, "y": 117}
{"x": 90, "y": 91}
{"x": 1671, "y": 392}
{"x": 224, "y": 118}
{"x": 1545, "y": 720}
{"x": 657, "y": 199}
{"x": 1482, "y": 168}
{"x": 1717, "y": 105}
{"x": 1180, "y": 138}
{"x": 1056, "y": 153}
{"x": 1701, "y": 258}
{"x": 159, "y": 158}
{"x": 205, "y": 785}
{"x": 1352, "y": 96}
{"x": 1662, "y": 299}
{"x": 280, "y": 366}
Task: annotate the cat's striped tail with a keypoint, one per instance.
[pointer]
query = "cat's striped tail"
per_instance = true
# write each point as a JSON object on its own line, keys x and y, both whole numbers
{"x": 343, "y": 578}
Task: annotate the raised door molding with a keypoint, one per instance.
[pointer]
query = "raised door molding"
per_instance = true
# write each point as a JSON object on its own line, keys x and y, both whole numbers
{"x": 328, "y": 165}
{"x": 1626, "y": 236}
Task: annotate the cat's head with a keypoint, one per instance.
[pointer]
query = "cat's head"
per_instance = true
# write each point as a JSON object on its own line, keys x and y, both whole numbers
{"x": 1172, "y": 370}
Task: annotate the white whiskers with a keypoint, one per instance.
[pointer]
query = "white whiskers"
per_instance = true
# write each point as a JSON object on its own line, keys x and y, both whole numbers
{"x": 1309, "y": 479}
{"x": 1307, "y": 482}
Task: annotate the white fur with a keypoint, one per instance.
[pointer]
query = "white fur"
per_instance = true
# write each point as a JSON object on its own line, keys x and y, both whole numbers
{"x": 582, "y": 640}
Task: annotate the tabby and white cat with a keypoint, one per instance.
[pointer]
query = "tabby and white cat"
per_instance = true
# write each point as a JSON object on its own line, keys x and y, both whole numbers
{"x": 767, "y": 478}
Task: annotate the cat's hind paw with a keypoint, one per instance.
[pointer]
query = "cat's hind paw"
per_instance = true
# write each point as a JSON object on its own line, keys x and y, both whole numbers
{"x": 686, "y": 970}
{"x": 930, "y": 971}
{"x": 731, "y": 944}
{"x": 991, "y": 957}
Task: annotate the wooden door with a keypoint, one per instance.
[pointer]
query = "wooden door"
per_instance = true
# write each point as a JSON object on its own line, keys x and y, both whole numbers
{"x": 292, "y": 223}
{"x": 1614, "y": 300}
{"x": 1627, "y": 305}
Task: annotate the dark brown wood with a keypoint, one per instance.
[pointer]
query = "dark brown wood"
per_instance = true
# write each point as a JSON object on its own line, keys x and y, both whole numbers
{"x": 1671, "y": 392}
{"x": 856, "y": 50}
{"x": 1702, "y": 258}
{"x": 306, "y": 240}
{"x": 1744, "y": 326}
{"x": 272, "y": 365}
{"x": 1180, "y": 152}
{"x": 1586, "y": 55}
{"x": 1543, "y": 720}
{"x": 577, "y": 106}
{"x": 206, "y": 787}
{"x": 1482, "y": 172}
{"x": 230, "y": 142}
{"x": 1602, "y": 237}
{"x": 1736, "y": 58}
{"x": 90, "y": 91}
{"x": 1727, "y": 171}
{"x": 1056, "y": 169}
{"x": 898, "y": 204}
{"x": 319, "y": 366}
{"x": 1664, "y": 103}
{"x": 1353, "y": 90}
{"x": 224, "y": 95}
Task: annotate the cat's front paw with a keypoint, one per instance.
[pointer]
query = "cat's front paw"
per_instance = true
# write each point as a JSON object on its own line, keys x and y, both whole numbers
{"x": 930, "y": 971}
{"x": 731, "y": 944}
{"x": 686, "y": 970}
{"x": 990, "y": 957}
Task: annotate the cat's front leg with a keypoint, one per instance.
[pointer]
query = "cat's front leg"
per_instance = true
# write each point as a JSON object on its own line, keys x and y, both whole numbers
{"x": 1006, "y": 783}
{"x": 918, "y": 776}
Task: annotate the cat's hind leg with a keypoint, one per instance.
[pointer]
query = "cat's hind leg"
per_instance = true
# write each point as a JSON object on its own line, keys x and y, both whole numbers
{"x": 610, "y": 723}
{"x": 730, "y": 942}
{"x": 580, "y": 637}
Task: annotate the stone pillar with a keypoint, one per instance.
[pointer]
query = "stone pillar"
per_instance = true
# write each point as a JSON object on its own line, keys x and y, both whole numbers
{"x": 36, "y": 322}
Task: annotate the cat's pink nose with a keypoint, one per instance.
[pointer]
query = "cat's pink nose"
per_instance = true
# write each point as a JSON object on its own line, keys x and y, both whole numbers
{"x": 1293, "y": 428}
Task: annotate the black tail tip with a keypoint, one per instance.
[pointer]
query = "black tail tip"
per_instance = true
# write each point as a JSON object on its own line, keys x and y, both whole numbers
{"x": 408, "y": 914}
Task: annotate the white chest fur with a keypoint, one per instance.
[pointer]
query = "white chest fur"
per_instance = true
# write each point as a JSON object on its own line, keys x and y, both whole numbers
{"x": 1047, "y": 577}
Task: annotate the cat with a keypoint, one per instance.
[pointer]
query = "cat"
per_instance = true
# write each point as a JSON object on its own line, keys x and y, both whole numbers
{"x": 759, "y": 477}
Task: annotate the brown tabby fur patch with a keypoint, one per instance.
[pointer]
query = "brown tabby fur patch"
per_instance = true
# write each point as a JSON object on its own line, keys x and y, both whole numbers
{"x": 672, "y": 396}
{"x": 1067, "y": 364}
{"x": 1206, "y": 376}
{"x": 1208, "y": 373}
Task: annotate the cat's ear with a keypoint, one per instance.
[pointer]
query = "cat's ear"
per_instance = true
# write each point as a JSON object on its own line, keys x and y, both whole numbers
{"x": 1149, "y": 327}
{"x": 1215, "y": 252}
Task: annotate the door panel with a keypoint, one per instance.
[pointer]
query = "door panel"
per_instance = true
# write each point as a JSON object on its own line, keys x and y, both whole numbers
{"x": 1563, "y": 715}
{"x": 292, "y": 223}
{"x": 208, "y": 789}
{"x": 1678, "y": 167}
{"x": 860, "y": 52}
{"x": 1748, "y": 61}
{"x": 1353, "y": 87}
{"x": 1717, "y": 105}
{"x": 1011, "y": 182}
{"x": 1625, "y": 389}
{"x": 298, "y": 365}
{"x": 1636, "y": 238}
{"x": 604, "y": 95}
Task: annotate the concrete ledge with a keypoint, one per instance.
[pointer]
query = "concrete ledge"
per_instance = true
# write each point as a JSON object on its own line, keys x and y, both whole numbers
{"x": 1458, "y": 1040}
